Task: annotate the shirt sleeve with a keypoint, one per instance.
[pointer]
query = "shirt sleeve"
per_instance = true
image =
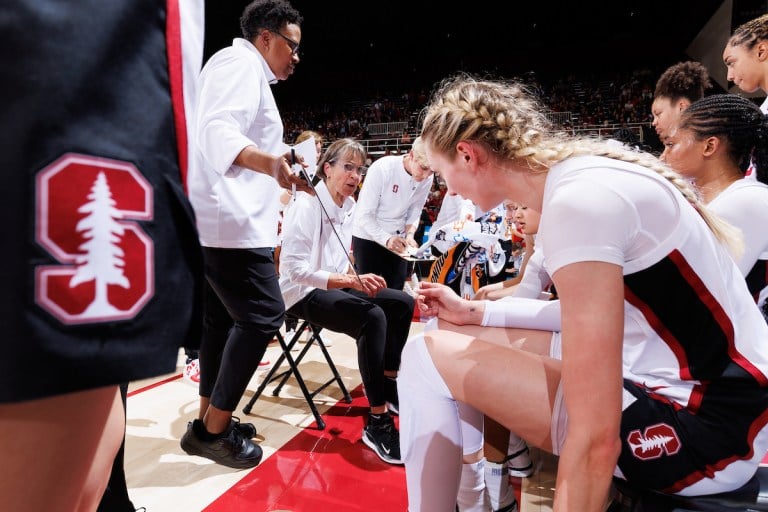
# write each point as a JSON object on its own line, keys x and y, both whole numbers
{"x": 228, "y": 101}
{"x": 535, "y": 278}
{"x": 747, "y": 210}
{"x": 299, "y": 256}
{"x": 417, "y": 203}
{"x": 366, "y": 219}
{"x": 586, "y": 220}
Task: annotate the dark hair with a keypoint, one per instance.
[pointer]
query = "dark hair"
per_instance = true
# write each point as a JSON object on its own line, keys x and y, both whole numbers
{"x": 737, "y": 120}
{"x": 685, "y": 80}
{"x": 270, "y": 15}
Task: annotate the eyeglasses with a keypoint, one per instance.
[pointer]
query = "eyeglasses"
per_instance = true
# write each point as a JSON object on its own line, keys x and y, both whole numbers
{"x": 360, "y": 170}
{"x": 294, "y": 46}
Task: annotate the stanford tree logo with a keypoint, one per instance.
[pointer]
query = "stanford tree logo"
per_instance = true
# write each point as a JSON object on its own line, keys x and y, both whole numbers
{"x": 87, "y": 209}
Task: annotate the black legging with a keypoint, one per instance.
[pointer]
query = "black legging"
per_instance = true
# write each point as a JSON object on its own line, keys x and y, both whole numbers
{"x": 243, "y": 309}
{"x": 372, "y": 258}
{"x": 380, "y": 325}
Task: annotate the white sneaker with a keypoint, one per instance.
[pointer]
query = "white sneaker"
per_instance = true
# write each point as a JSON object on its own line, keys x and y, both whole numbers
{"x": 288, "y": 336}
{"x": 191, "y": 374}
{"x": 520, "y": 463}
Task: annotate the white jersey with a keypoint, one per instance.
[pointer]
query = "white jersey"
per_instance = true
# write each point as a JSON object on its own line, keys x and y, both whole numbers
{"x": 389, "y": 200}
{"x": 744, "y": 204}
{"x": 676, "y": 275}
{"x": 750, "y": 172}
{"x": 311, "y": 252}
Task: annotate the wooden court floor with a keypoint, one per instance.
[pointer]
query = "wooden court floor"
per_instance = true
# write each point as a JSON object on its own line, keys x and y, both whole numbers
{"x": 303, "y": 470}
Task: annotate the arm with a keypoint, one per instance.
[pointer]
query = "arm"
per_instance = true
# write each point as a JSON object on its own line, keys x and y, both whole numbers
{"x": 277, "y": 166}
{"x": 413, "y": 214}
{"x": 229, "y": 102}
{"x": 366, "y": 214}
{"x": 509, "y": 287}
{"x": 298, "y": 262}
{"x": 592, "y": 297}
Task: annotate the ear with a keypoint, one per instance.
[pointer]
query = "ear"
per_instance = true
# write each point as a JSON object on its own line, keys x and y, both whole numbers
{"x": 470, "y": 154}
{"x": 711, "y": 145}
{"x": 465, "y": 152}
{"x": 762, "y": 51}
{"x": 683, "y": 104}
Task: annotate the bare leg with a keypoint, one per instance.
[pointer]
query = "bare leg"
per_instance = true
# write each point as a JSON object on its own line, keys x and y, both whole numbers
{"x": 78, "y": 434}
{"x": 443, "y": 367}
{"x": 475, "y": 369}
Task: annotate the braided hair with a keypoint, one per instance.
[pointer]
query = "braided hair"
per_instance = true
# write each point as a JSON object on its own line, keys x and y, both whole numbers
{"x": 508, "y": 120}
{"x": 737, "y": 121}
{"x": 750, "y": 33}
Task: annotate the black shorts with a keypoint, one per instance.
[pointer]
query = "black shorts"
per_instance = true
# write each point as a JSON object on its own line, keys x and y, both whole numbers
{"x": 101, "y": 267}
{"x": 669, "y": 448}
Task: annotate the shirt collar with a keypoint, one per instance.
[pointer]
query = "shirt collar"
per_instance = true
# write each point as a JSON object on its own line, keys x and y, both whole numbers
{"x": 244, "y": 43}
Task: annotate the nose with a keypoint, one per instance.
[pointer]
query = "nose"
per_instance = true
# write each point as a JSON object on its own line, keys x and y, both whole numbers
{"x": 729, "y": 75}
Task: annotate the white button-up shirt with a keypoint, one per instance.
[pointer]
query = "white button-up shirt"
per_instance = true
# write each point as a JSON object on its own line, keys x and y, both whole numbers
{"x": 235, "y": 207}
{"x": 311, "y": 252}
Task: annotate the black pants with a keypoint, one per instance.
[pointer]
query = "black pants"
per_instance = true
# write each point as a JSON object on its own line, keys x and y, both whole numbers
{"x": 380, "y": 325}
{"x": 372, "y": 258}
{"x": 242, "y": 310}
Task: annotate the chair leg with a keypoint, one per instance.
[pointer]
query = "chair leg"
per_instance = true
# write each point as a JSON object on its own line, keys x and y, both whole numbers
{"x": 331, "y": 364}
{"x": 294, "y": 370}
{"x": 270, "y": 376}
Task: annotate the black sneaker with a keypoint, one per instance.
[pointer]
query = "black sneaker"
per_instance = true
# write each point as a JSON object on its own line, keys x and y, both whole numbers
{"x": 382, "y": 437}
{"x": 232, "y": 449}
{"x": 512, "y": 507}
{"x": 247, "y": 429}
{"x": 390, "y": 391}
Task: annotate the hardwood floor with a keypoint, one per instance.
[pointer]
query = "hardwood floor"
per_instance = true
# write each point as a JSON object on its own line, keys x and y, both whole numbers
{"x": 304, "y": 469}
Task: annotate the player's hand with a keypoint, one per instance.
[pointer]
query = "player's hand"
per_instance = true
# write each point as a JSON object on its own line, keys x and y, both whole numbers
{"x": 438, "y": 300}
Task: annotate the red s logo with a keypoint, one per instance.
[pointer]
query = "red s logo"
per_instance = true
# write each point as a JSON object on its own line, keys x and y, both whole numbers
{"x": 106, "y": 262}
{"x": 654, "y": 442}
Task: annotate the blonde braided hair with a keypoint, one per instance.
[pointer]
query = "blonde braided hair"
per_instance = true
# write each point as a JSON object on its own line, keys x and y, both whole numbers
{"x": 506, "y": 118}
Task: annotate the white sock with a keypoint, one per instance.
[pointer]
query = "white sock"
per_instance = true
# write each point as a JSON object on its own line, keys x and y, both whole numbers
{"x": 471, "y": 496}
{"x": 500, "y": 493}
{"x": 516, "y": 443}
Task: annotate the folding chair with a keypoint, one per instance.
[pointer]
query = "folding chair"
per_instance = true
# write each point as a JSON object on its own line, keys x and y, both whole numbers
{"x": 293, "y": 369}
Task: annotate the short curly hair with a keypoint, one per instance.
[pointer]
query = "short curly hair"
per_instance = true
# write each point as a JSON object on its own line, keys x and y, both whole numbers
{"x": 270, "y": 15}
{"x": 685, "y": 80}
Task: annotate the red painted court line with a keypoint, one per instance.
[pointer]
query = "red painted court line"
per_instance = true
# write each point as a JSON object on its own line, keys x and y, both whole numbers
{"x": 321, "y": 470}
{"x": 154, "y": 385}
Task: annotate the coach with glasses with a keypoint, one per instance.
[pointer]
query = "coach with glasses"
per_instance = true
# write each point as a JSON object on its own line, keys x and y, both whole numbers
{"x": 319, "y": 284}
{"x": 239, "y": 164}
